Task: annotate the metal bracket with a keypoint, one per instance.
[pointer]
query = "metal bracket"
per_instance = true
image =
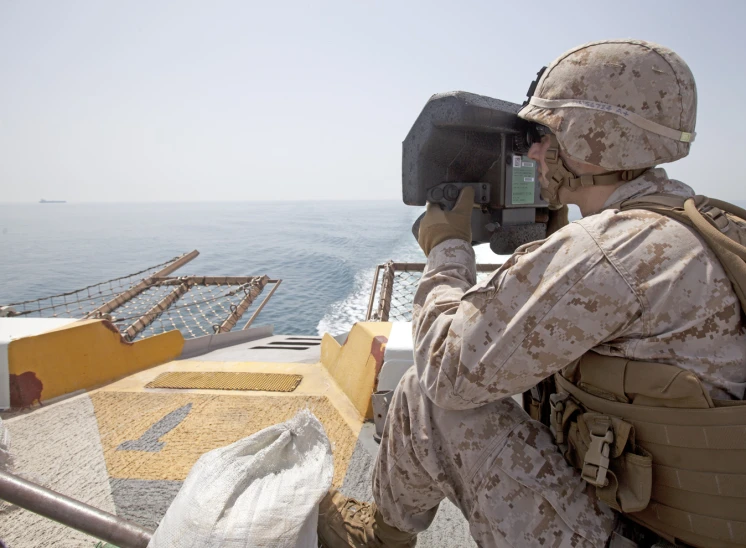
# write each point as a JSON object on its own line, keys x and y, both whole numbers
{"x": 596, "y": 462}
{"x": 380, "y": 402}
{"x": 447, "y": 193}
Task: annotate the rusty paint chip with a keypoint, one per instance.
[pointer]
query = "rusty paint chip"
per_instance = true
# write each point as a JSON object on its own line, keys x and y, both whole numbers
{"x": 224, "y": 380}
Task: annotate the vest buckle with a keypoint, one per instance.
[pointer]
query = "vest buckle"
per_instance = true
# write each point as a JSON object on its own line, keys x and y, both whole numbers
{"x": 596, "y": 461}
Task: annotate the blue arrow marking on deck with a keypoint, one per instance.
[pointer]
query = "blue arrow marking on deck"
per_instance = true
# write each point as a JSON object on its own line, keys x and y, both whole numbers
{"x": 148, "y": 442}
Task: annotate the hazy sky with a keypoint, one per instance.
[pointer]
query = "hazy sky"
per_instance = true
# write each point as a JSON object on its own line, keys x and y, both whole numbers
{"x": 229, "y": 100}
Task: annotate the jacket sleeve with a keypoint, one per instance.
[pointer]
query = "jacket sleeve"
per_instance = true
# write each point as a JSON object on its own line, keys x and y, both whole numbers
{"x": 551, "y": 302}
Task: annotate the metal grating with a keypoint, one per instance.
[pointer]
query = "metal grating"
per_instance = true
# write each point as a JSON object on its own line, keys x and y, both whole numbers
{"x": 81, "y": 302}
{"x": 194, "y": 305}
{"x": 397, "y": 286}
{"x": 226, "y": 380}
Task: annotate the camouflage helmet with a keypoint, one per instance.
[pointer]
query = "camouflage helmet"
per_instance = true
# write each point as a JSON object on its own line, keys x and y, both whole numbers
{"x": 617, "y": 104}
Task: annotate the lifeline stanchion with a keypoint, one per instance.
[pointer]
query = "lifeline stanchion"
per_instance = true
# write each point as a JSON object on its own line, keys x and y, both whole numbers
{"x": 72, "y": 513}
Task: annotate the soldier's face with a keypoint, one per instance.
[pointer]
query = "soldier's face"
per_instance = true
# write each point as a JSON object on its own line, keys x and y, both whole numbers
{"x": 538, "y": 152}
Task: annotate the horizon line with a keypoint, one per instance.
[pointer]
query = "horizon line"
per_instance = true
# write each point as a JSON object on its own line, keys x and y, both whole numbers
{"x": 66, "y": 202}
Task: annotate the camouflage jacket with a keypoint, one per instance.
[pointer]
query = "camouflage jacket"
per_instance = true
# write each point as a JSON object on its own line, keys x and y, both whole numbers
{"x": 634, "y": 284}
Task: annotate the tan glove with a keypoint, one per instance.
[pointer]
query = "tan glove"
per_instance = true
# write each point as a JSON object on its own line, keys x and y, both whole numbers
{"x": 557, "y": 219}
{"x": 439, "y": 225}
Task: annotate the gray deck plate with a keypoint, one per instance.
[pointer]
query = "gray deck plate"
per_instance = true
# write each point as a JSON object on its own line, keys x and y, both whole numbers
{"x": 247, "y": 352}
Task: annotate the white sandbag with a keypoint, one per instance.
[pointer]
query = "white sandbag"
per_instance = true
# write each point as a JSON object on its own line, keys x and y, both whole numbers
{"x": 262, "y": 490}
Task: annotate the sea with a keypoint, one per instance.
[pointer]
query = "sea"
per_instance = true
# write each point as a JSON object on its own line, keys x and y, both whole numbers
{"x": 325, "y": 253}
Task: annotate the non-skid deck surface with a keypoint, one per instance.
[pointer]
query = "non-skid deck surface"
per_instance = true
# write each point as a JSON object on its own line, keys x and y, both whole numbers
{"x": 126, "y": 448}
{"x": 225, "y": 380}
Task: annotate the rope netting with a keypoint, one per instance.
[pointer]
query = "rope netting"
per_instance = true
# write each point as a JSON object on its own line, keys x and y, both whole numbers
{"x": 79, "y": 302}
{"x": 395, "y": 305}
{"x": 199, "y": 311}
{"x": 149, "y": 302}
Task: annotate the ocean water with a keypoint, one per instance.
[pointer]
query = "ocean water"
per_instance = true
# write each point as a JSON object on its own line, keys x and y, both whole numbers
{"x": 325, "y": 252}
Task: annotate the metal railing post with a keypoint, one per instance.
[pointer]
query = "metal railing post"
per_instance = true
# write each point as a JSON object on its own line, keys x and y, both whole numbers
{"x": 387, "y": 288}
{"x": 237, "y": 311}
{"x": 72, "y": 513}
{"x": 261, "y": 305}
{"x": 390, "y": 286}
{"x": 371, "y": 300}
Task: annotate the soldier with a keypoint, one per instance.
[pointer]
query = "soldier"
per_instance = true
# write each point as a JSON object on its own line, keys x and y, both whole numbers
{"x": 623, "y": 283}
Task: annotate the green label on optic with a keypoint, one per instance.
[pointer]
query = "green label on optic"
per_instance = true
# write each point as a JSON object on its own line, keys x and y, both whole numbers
{"x": 523, "y": 181}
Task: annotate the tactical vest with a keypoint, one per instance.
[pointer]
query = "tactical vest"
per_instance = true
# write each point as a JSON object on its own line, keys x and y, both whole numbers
{"x": 647, "y": 435}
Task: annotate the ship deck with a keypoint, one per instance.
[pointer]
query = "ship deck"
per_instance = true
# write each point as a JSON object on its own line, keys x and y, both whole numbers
{"x": 126, "y": 448}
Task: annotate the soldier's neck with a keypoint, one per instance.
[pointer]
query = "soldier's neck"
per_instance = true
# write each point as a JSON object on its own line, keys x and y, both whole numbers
{"x": 590, "y": 200}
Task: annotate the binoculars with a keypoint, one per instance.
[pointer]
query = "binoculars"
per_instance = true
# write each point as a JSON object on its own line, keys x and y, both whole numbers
{"x": 461, "y": 139}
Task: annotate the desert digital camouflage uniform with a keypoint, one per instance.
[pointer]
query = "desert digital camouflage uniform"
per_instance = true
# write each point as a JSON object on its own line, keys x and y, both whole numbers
{"x": 633, "y": 284}
{"x": 612, "y": 78}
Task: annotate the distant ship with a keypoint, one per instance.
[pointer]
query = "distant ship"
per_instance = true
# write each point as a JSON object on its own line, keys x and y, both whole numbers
{"x": 43, "y": 201}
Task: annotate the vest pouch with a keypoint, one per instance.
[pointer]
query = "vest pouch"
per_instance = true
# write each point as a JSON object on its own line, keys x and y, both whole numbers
{"x": 603, "y": 449}
{"x": 698, "y": 494}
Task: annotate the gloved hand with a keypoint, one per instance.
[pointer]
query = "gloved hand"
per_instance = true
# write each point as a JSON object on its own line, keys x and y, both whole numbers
{"x": 438, "y": 225}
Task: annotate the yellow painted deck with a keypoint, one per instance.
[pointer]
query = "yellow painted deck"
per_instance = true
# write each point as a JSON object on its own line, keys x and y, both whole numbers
{"x": 127, "y": 448}
{"x": 126, "y": 410}
{"x": 80, "y": 356}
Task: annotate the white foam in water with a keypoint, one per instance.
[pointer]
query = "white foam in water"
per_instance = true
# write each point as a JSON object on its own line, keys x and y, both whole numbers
{"x": 353, "y": 308}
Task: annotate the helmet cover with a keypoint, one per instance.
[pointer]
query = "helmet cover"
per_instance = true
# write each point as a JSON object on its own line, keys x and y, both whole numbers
{"x": 618, "y": 104}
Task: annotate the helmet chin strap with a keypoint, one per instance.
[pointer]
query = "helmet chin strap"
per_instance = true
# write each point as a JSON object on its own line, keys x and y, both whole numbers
{"x": 559, "y": 175}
